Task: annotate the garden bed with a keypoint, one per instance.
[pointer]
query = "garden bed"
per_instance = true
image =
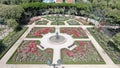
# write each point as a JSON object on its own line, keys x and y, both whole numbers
{"x": 84, "y": 53}
{"x": 73, "y": 22}
{"x": 106, "y": 44}
{"x": 38, "y": 32}
{"x": 41, "y": 22}
{"x": 28, "y": 53}
{"x": 75, "y": 32}
{"x": 82, "y": 21}
{"x": 57, "y": 23}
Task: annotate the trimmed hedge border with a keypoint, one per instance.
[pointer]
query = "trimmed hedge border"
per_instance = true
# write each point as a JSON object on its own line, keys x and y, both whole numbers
{"x": 47, "y": 5}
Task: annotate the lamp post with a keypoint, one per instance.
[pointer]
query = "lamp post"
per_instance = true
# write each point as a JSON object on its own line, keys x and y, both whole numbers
{"x": 54, "y": 65}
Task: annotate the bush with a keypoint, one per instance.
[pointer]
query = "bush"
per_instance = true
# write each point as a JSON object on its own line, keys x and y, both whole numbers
{"x": 116, "y": 39}
{"x": 40, "y": 6}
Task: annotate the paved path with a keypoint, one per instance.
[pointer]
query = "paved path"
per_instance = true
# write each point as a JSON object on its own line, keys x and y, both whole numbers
{"x": 109, "y": 62}
{"x": 56, "y": 55}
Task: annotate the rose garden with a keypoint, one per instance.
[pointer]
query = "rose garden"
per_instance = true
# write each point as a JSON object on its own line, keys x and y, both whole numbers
{"x": 59, "y": 33}
{"x": 31, "y": 51}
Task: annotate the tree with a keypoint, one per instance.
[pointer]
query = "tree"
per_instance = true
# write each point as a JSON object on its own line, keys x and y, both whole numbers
{"x": 72, "y": 11}
{"x": 116, "y": 39}
{"x": 10, "y": 11}
{"x": 57, "y": 10}
{"x": 62, "y": 10}
{"x": 10, "y": 2}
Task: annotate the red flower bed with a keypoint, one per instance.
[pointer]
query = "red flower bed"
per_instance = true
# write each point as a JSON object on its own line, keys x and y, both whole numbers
{"x": 63, "y": 30}
{"x": 40, "y": 31}
{"x": 32, "y": 47}
{"x": 77, "y": 48}
{"x": 45, "y": 30}
{"x": 49, "y": 51}
{"x": 28, "y": 52}
{"x": 34, "y": 19}
{"x": 37, "y": 34}
{"x": 84, "y": 53}
{"x": 69, "y": 53}
{"x": 76, "y": 32}
{"x": 81, "y": 43}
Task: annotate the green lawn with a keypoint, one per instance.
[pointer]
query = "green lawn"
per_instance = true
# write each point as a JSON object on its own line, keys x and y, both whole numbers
{"x": 42, "y": 22}
{"x": 59, "y": 23}
{"x": 73, "y": 22}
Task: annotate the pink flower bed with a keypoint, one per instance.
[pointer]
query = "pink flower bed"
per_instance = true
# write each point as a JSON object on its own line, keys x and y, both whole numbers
{"x": 33, "y": 19}
{"x": 30, "y": 48}
{"x": 29, "y": 53}
{"x": 81, "y": 43}
{"x": 39, "y": 32}
{"x": 69, "y": 53}
{"x": 75, "y": 32}
{"x": 81, "y": 54}
{"x": 79, "y": 49}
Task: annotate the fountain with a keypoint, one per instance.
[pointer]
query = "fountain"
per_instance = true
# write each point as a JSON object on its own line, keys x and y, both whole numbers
{"x": 57, "y": 39}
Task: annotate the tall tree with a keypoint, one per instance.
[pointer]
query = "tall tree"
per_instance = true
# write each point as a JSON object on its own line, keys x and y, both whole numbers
{"x": 10, "y": 11}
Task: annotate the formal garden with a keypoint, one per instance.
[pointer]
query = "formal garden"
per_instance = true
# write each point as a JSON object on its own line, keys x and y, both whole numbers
{"x": 86, "y": 23}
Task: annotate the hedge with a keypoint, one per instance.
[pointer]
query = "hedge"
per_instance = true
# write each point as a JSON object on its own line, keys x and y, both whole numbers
{"x": 53, "y": 5}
